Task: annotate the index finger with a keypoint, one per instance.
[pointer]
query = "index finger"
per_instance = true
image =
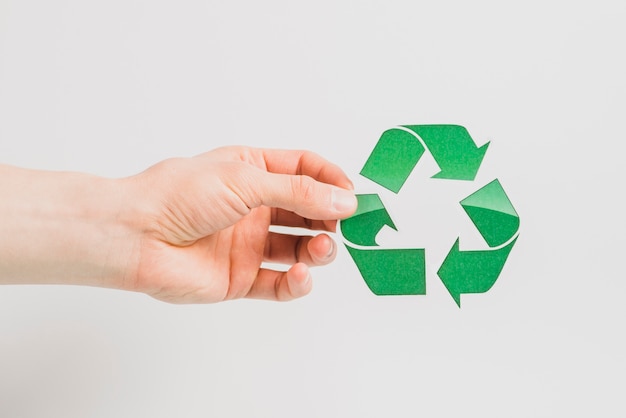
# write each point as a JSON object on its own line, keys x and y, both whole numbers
{"x": 301, "y": 162}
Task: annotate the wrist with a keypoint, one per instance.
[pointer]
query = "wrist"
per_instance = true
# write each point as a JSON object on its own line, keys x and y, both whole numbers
{"x": 68, "y": 228}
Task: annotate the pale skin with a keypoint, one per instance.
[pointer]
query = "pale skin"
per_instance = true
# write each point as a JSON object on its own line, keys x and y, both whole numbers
{"x": 186, "y": 230}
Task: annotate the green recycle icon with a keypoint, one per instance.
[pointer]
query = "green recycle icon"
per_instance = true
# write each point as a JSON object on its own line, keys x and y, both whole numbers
{"x": 402, "y": 271}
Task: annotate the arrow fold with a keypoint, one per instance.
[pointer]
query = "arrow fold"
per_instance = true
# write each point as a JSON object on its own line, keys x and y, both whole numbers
{"x": 492, "y": 213}
{"x": 370, "y": 217}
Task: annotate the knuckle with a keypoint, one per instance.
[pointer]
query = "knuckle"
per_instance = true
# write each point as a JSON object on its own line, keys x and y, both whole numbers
{"x": 246, "y": 184}
{"x": 282, "y": 293}
{"x": 304, "y": 189}
{"x": 169, "y": 166}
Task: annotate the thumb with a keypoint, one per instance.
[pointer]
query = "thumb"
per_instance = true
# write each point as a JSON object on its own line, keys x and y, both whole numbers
{"x": 305, "y": 196}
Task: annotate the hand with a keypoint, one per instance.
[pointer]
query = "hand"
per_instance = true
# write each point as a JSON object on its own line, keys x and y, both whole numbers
{"x": 205, "y": 224}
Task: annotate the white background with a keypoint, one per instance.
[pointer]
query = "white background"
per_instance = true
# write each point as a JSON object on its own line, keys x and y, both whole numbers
{"x": 111, "y": 87}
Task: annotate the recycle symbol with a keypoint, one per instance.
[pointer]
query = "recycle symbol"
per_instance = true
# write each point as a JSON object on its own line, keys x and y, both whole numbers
{"x": 402, "y": 271}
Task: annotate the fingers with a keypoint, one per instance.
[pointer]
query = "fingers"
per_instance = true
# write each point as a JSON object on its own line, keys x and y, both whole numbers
{"x": 296, "y": 181}
{"x": 295, "y": 282}
{"x": 282, "y": 286}
{"x": 300, "y": 194}
{"x": 281, "y": 161}
{"x": 286, "y": 218}
{"x": 290, "y": 249}
{"x": 299, "y": 251}
{"x": 305, "y": 163}
{"x": 298, "y": 167}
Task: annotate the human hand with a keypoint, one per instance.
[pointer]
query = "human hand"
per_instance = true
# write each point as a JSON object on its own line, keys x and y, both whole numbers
{"x": 205, "y": 222}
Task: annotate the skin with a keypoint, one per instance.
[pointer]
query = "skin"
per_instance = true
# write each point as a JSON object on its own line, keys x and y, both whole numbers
{"x": 187, "y": 230}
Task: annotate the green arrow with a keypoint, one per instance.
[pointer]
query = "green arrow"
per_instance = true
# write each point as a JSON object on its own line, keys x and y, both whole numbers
{"x": 392, "y": 271}
{"x": 472, "y": 271}
{"x": 370, "y": 217}
{"x": 402, "y": 271}
{"x": 491, "y": 211}
{"x": 385, "y": 271}
{"x": 494, "y": 216}
{"x": 453, "y": 149}
{"x": 393, "y": 158}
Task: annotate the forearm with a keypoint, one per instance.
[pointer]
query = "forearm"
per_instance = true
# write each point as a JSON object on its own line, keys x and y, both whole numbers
{"x": 58, "y": 227}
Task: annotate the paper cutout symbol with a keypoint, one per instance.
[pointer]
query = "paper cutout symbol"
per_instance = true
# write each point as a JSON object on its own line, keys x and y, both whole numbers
{"x": 403, "y": 271}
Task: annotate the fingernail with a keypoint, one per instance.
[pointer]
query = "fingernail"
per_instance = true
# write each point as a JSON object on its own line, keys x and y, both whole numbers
{"x": 331, "y": 250}
{"x": 343, "y": 200}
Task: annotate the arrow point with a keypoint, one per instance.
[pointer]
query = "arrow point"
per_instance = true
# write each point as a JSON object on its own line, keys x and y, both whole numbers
{"x": 466, "y": 167}
{"x": 449, "y": 275}
{"x": 440, "y": 175}
{"x": 475, "y": 160}
{"x": 481, "y": 153}
{"x": 389, "y": 222}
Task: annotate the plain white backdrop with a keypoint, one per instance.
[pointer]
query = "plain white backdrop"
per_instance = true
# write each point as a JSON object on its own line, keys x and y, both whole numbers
{"x": 111, "y": 87}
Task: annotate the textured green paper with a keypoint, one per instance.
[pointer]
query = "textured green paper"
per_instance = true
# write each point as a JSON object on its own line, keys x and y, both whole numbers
{"x": 454, "y": 150}
{"x": 392, "y": 160}
{"x": 492, "y": 213}
{"x": 385, "y": 271}
{"x": 392, "y": 272}
{"x": 472, "y": 271}
{"x": 369, "y": 218}
{"x": 403, "y": 271}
